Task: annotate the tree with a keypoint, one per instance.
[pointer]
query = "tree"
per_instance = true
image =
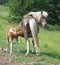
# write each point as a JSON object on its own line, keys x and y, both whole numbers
{"x": 20, "y": 7}
{"x": 54, "y": 12}
{"x": 3, "y": 1}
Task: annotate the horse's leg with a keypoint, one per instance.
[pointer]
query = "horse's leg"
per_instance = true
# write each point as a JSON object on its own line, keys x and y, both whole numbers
{"x": 11, "y": 42}
{"x": 28, "y": 44}
{"x": 36, "y": 44}
{"x": 34, "y": 30}
{"x": 17, "y": 45}
{"x": 26, "y": 37}
{"x": 33, "y": 46}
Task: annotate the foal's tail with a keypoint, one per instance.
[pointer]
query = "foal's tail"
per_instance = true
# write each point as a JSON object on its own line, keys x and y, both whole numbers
{"x": 34, "y": 31}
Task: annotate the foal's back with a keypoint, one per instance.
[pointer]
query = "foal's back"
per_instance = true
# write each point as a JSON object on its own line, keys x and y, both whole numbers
{"x": 10, "y": 30}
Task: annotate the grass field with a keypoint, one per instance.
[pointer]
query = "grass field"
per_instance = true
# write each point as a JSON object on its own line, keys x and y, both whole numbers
{"x": 49, "y": 42}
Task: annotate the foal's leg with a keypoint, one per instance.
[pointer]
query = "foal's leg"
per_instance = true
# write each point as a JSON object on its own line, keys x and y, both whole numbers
{"x": 11, "y": 42}
{"x": 7, "y": 43}
{"x": 17, "y": 45}
{"x": 8, "y": 39}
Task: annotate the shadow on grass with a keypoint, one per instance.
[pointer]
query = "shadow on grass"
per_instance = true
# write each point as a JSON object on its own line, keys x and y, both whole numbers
{"x": 30, "y": 52}
{"x": 50, "y": 54}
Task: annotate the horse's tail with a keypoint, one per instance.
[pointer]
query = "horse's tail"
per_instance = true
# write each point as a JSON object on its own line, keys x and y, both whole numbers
{"x": 34, "y": 31}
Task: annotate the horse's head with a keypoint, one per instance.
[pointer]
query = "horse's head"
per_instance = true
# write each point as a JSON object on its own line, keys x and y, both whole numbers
{"x": 43, "y": 19}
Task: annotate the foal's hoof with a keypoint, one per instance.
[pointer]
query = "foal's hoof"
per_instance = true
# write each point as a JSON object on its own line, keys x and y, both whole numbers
{"x": 5, "y": 50}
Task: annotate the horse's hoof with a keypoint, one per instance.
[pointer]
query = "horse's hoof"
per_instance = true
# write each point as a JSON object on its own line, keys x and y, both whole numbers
{"x": 37, "y": 54}
{"x": 26, "y": 54}
{"x": 32, "y": 50}
{"x": 10, "y": 54}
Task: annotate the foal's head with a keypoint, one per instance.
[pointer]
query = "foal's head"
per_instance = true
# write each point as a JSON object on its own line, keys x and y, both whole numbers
{"x": 43, "y": 19}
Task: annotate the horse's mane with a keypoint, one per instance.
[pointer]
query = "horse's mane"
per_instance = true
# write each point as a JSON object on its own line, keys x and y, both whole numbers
{"x": 44, "y": 13}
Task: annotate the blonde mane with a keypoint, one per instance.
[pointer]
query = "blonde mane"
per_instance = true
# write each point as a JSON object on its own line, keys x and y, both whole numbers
{"x": 37, "y": 15}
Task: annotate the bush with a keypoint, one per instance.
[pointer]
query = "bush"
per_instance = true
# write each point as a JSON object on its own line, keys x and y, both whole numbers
{"x": 53, "y": 28}
{"x": 20, "y": 7}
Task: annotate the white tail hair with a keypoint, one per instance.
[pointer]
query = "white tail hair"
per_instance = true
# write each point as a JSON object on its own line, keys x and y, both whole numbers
{"x": 34, "y": 31}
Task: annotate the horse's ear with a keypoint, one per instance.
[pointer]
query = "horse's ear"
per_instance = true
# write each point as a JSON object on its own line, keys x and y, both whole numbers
{"x": 41, "y": 12}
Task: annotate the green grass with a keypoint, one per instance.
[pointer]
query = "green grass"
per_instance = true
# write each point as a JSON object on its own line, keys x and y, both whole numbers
{"x": 4, "y": 13}
{"x": 49, "y": 42}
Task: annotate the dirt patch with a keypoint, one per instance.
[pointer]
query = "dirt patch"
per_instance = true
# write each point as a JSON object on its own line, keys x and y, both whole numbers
{"x": 6, "y": 59}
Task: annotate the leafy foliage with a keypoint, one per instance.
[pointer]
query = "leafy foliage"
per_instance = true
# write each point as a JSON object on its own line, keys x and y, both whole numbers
{"x": 54, "y": 11}
{"x": 21, "y": 7}
{"x": 3, "y": 1}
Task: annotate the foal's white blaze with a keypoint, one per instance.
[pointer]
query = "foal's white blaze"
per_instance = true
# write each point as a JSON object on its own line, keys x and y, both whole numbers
{"x": 27, "y": 48}
{"x": 11, "y": 30}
